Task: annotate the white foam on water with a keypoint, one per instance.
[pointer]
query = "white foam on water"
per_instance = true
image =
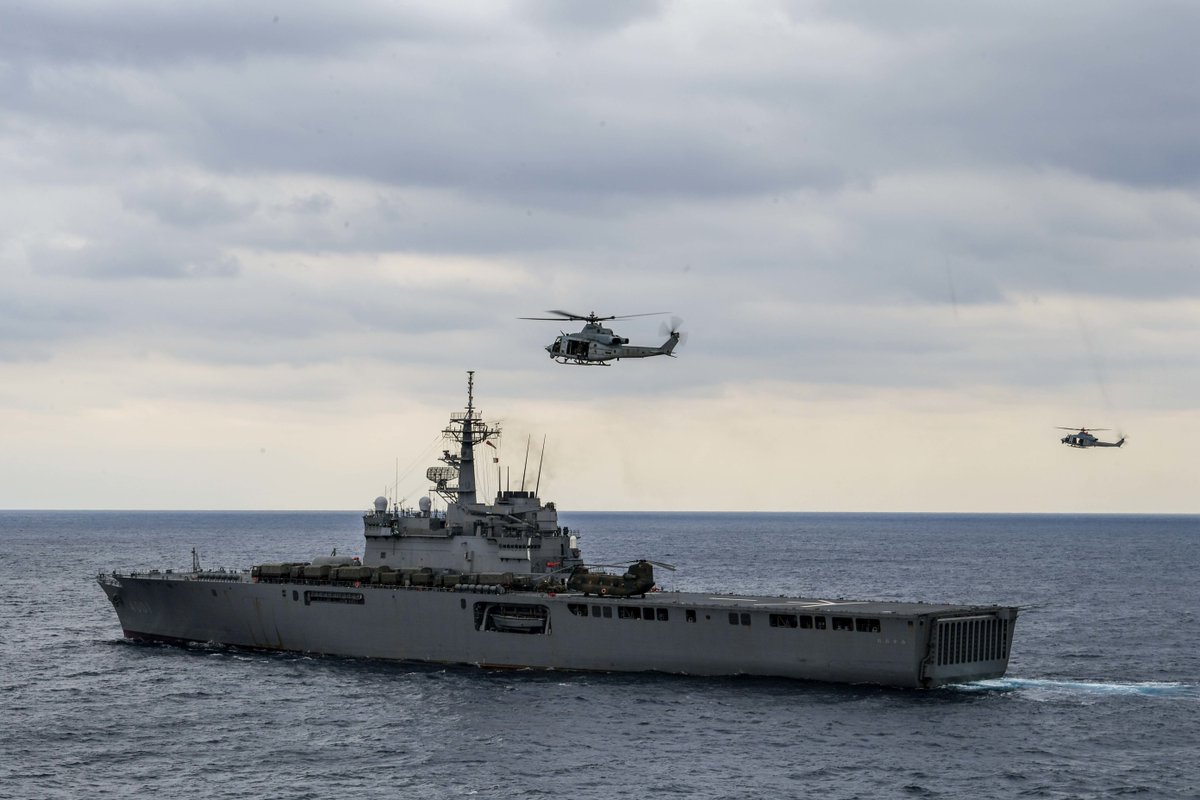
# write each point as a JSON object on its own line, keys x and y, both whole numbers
{"x": 1049, "y": 688}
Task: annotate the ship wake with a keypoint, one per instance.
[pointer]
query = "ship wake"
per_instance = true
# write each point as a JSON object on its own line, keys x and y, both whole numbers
{"x": 1062, "y": 689}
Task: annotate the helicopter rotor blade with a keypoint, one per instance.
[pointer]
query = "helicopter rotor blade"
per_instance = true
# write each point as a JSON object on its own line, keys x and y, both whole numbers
{"x": 594, "y": 317}
{"x": 561, "y": 316}
{"x": 666, "y": 329}
{"x": 662, "y": 564}
{"x": 631, "y": 316}
{"x": 572, "y": 315}
{"x": 1079, "y": 428}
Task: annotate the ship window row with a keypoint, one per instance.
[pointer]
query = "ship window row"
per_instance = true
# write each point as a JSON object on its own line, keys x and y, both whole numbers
{"x": 623, "y": 612}
{"x": 804, "y": 621}
{"x": 809, "y": 622}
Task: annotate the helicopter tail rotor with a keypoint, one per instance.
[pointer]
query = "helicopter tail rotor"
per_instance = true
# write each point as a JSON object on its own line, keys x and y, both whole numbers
{"x": 673, "y": 331}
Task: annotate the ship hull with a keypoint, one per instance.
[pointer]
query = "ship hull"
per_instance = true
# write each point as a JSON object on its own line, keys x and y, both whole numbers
{"x": 911, "y": 645}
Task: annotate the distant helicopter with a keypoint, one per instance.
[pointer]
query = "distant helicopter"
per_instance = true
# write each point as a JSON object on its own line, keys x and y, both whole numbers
{"x": 597, "y": 345}
{"x": 1084, "y": 438}
{"x": 638, "y": 580}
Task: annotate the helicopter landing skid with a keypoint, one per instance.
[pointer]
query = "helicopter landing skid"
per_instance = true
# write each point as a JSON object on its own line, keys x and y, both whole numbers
{"x": 579, "y": 362}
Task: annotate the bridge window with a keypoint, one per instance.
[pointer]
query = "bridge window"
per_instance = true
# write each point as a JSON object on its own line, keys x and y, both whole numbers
{"x": 805, "y": 621}
{"x": 819, "y": 623}
{"x": 689, "y": 615}
{"x": 595, "y": 611}
{"x": 866, "y": 625}
{"x": 648, "y": 614}
{"x": 578, "y": 609}
{"x": 608, "y": 612}
{"x": 733, "y": 618}
{"x": 843, "y": 624}
{"x": 784, "y": 621}
{"x": 745, "y": 619}
{"x": 661, "y": 613}
{"x": 629, "y": 612}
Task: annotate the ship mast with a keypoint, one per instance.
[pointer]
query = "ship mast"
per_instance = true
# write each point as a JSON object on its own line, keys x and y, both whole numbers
{"x": 468, "y": 429}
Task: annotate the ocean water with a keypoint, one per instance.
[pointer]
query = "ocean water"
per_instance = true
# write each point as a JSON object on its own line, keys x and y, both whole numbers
{"x": 1102, "y": 698}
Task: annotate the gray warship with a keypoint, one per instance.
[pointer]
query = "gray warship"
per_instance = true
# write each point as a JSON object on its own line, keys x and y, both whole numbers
{"x": 503, "y": 585}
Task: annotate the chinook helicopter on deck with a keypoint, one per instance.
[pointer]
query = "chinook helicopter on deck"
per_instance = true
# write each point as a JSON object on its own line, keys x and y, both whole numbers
{"x": 597, "y": 345}
{"x": 1083, "y": 438}
{"x": 637, "y": 580}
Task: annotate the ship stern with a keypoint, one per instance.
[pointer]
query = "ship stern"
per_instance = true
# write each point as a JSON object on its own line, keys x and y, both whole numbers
{"x": 968, "y": 647}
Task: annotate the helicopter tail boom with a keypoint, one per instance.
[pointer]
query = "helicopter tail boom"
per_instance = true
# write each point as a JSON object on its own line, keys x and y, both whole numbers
{"x": 669, "y": 344}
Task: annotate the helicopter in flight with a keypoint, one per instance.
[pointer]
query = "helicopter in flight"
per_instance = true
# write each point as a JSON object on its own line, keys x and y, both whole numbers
{"x": 597, "y": 345}
{"x": 1083, "y": 438}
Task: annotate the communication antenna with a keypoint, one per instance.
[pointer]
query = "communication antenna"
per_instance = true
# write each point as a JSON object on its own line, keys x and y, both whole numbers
{"x": 526, "y": 467}
{"x": 541, "y": 458}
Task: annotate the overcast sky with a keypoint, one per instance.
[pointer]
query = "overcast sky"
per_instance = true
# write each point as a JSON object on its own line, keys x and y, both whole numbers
{"x": 248, "y": 251}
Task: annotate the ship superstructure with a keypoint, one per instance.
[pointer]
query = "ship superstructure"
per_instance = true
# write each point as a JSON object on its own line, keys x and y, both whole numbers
{"x": 516, "y": 533}
{"x": 501, "y": 584}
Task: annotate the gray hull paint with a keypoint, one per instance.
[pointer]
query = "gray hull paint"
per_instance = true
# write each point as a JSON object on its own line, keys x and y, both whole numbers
{"x": 910, "y": 647}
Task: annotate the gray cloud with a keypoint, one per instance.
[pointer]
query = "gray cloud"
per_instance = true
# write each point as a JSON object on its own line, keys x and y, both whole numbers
{"x": 151, "y": 34}
{"x": 140, "y": 259}
{"x": 906, "y": 168}
{"x": 590, "y": 17}
{"x": 182, "y": 204}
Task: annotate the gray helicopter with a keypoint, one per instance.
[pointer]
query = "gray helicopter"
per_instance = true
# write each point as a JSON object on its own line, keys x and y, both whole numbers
{"x": 596, "y": 345}
{"x": 1083, "y": 438}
